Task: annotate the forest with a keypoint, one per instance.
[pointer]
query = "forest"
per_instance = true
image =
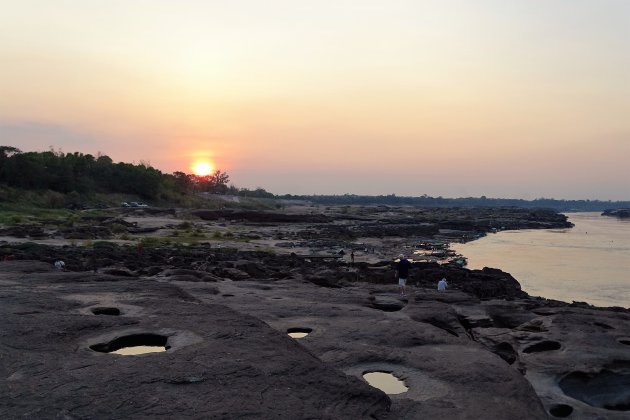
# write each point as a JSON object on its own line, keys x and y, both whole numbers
{"x": 85, "y": 174}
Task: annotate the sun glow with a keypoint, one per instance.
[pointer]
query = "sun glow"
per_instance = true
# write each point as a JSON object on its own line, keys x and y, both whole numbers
{"x": 202, "y": 168}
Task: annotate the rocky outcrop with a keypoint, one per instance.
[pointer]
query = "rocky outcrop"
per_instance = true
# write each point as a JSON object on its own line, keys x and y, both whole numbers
{"x": 260, "y": 216}
{"x": 24, "y": 230}
{"x": 483, "y": 349}
{"x": 219, "y": 363}
{"x": 242, "y": 265}
{"x": 619, "y": 213}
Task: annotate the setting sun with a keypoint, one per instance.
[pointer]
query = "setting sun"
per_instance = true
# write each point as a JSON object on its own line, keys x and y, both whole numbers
{"x": 202, "y": 168}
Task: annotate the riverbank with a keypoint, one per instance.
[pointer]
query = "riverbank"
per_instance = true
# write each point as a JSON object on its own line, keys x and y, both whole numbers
{"x": 589, "y": 262}
{"x": 221, "y": 307}
{"x": 224, "y": 322}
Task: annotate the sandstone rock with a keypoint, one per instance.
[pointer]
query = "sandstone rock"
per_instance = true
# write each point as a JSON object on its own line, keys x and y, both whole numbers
{"x": 482, "y": 349}
{"x": 219, "y": 363}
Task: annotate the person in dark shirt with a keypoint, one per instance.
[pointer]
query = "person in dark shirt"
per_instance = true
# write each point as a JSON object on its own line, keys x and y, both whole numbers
{"x": 402, "y": 272}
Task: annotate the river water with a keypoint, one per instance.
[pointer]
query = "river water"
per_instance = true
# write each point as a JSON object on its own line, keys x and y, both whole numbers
{"x": 589, "y": 262}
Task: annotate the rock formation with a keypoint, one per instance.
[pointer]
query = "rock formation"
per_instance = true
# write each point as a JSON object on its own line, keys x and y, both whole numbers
{"x": 462, "y": 353}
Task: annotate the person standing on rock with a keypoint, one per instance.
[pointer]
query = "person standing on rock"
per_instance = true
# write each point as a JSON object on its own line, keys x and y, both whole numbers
{"x": 402, "y": 273}
{"x": 442, "y": 285}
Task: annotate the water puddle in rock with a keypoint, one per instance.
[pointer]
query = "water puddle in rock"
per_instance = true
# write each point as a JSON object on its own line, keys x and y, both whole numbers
{"x": 106, "y": 311}
{"x": 298, "y": 332}
{"x": 386, "y": 382}
{"x": 133, "y": 345}
{"x": 604, "y": 389}
{"x": 136, "y": 350}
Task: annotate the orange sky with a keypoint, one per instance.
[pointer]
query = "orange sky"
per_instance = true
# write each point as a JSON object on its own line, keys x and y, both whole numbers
{"x": 454, "y": 98}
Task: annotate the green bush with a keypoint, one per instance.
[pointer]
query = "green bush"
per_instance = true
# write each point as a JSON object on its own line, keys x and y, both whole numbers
{"x": 152, "y": 241}
{"x": 118, "y": 228}
{"x": 185, "y": 225}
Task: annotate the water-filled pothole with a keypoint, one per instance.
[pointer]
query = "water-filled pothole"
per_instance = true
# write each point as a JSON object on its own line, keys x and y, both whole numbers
{"x": 543, "y": 346}
{"x": 561, "y": 410}
{"x": 299, "y": 332}
{"x": 386, "y": 382}
{"x": 506, "y": 352}
{"x": 131, "y": 345}
{"x": 101, "y": 310}
{"x": 604, "y": 389}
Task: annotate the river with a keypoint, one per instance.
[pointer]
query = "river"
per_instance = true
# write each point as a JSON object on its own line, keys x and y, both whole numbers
{"x": 589, "y": 262}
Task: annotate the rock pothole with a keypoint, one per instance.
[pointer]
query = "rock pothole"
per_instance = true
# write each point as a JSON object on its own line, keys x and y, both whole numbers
{"x": 134, "y": 344}
{"x": 560, "y": 410}
{"x": 604, "y": 389}
{"x": 547, "y": 345}
{"x": 299, "y": 332}
{"x": 386, "y": 382}
{"x": 624, "y": 340}
{"x": 103, "y": 310}
{"x": 506, "y": 352}
{"x": 387, "y": 304}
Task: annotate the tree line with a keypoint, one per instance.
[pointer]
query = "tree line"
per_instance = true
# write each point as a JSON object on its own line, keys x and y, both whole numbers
{"x": 85, "y": 173}
{"x": 428, "y": 201}
{"x": 80, "y": 173}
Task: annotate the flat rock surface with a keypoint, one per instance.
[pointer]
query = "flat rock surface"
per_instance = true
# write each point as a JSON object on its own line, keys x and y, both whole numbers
{"x": 461, "y": 354}
{"x": 220, "y": 364}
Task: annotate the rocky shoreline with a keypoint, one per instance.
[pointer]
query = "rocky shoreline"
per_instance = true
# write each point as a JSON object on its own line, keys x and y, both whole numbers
{"x": 222, "y": 309}
{"x": 618, "y": 213}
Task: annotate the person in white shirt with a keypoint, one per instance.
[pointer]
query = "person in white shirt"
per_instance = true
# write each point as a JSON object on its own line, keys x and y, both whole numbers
{"x": 442, "y": 285}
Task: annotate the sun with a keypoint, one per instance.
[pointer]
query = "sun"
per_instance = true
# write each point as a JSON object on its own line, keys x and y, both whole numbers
{"x": 202, "y": 168}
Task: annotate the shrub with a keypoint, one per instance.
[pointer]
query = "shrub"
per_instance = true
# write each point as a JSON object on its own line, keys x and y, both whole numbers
{"x": 185, "y": 225}
{"x": 118, "y": 228}
{"x": 150, "y": 242}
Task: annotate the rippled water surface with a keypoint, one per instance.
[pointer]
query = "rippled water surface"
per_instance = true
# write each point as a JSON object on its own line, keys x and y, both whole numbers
{"x": 589, "y": 262}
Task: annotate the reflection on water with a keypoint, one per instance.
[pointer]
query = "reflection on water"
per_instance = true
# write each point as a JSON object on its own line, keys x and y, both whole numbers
{"x": 136, "y": 350}
{"x": 386, "y": 382}
{"x": 590, "y": 262}
{"x": 299, "y": 332}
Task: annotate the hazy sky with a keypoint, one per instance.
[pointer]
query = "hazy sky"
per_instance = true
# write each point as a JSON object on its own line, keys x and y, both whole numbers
{"x": 501, "y": 98}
